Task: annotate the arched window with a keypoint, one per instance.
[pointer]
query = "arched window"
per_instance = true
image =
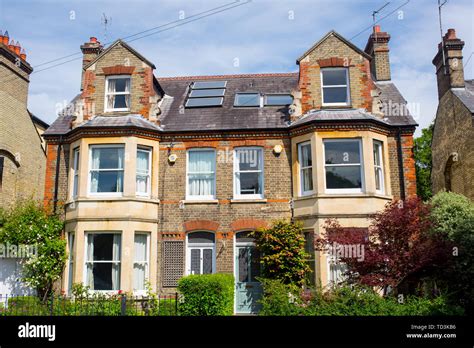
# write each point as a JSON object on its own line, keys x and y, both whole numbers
{"x": 201, "y": 255}
{"x": 448, "y": 171}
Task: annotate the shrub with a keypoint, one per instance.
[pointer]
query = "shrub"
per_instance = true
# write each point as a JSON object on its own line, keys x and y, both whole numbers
{"x": 279, "y": 298}
{"x": 207, "y": 294}
{"x": 282, "y": 253}
{"x": 26, "y": 305}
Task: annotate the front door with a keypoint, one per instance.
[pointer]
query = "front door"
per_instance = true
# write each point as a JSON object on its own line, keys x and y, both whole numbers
{"x": 247, "y": 290}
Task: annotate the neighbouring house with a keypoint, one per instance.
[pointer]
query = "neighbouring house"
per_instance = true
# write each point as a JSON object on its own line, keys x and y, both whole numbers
{"x": 164, "y": 176}
{"x": 22, "y": 151}
{"x": 453, "y": 134}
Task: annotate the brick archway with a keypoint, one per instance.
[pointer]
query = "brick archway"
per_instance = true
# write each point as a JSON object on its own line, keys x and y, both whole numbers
{"x": 247, "y": 224}
{"x": 201, "y": 225}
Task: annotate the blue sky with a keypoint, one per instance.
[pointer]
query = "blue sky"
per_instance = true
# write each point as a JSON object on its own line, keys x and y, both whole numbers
{"x": 263, "y": 36}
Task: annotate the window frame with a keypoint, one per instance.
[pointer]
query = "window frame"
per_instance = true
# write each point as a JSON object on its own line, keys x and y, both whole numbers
{"x": 265, "y": 102}
{"x": 361, "y": 165}
{"x": 301, "y": 168}
{"x": 201, "y": 247}
{"x": 129, "y": 93}
{"x": 237, "y": 194}
{"x": 89, "y": 181}
{"x": 260, "y": 100}
{"x": 214, "y": 164}
{"x": 347, "y": 85}
{"x": 146, "y": 262}
{"x": 71, "y": 241}
{"x": 148, "y": 185}
{"x": 379, "y": 153}
{"x": 86, "y": 239}
{"x": 333, "y": 260}
{"x": 76, "y": 169}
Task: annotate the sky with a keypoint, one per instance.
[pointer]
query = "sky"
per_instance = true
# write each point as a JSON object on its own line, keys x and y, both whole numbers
{"x": 257, "y": 36}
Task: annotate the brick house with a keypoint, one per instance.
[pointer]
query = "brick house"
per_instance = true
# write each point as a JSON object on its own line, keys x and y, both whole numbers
{"x": 22, "y": 151}
{"x": 163, "y": 177}
{"x": 453, "y": 134}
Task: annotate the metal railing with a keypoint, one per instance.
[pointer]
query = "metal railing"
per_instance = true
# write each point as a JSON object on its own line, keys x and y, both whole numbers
{"x": 115, "y": 305}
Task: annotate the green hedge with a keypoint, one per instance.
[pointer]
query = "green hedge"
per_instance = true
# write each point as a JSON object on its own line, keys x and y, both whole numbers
{"x": 281, "y": 299}
{"x": 207, "y": 294}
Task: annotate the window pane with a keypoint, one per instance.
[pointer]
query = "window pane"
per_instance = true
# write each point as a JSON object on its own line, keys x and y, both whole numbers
{"x": 201, "y": 185}
{"x": 343, "y": 177}
{"x": 207, "y": 261}
{"x": 121, "y": 101}
{"x": 201, "y": 161}
{"x": 211, "y": 101}
{"x": 102, "y": 276}
{"x": 377, "y": 154}
{"x": 378, "y": 179}
{"x": 107, "y": 158}
{"x": 143, "y": 164}
{"x": 201, "y": 237}
{"x": 306, "y": 160}
{"x": 243, "y": 237}
{"x": 195, "y": 261}
{"x": 307, "y": 179}
{"x": 254, "y": 264}
{"x": 249, "y": 159}
{"x": 103, "y": 246}
{"x": 139, "y": 276}
{"x": 341, "y": 152}
{"x": 209, "y": 84}
{"x": 247, "y": 99}
{"x": 110, "y": 181}
{"x": 243, "y": 265}
{"x": 250, "y": 183}
{"x": 335, "y": 95}
{"x": 207, "y": 93}
{"x": 278, "y": 99}
{"x": 334, "y": 77}
{"x": 121, "y": 85}
{"x": 141, "y": 247}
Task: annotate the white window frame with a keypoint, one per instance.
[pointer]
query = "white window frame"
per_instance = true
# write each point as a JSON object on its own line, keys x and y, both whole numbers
{"x": 237, "y": 194}
{"x": 378, "y": 151}
{"x": 146, "y": 262}
{"x": 129, "y": 93}
{"x": 84, "y": 275}
{"x": 361, "y": 165}
{"x": 300, "y": 161}
{"x": 201, "y": 247}
{"x": 147, "y": 174}
{"x": 201, "y": 197}
{"x": 71, "y": 241}
{"x": 76, "y": 168}
{"x": 89, "y": 181}
{"x": 347, "y": 85}
{"x": 334, "y": 260}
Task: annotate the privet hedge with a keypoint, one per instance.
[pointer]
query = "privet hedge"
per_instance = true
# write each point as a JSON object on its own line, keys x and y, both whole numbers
{"x": 207, "y": 294}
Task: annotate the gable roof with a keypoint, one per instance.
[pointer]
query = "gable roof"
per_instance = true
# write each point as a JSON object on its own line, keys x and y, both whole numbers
{"x": 340, "y": 37}
{"x": 466, "y": 95}
{"x": 125, "y": 45}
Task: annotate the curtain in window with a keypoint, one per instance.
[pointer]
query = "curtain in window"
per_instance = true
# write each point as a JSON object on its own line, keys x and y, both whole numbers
{"x": 139, "y": 268}
{"x": 116, "y": 263}
{"x": 95, "y": 165}
{"x": 110, "y": 91}
{"x": 90, "y": 265}
{"x": 201, "y": 173}
{"x": 142, "y": 171}
{"x": 127, "y": 89}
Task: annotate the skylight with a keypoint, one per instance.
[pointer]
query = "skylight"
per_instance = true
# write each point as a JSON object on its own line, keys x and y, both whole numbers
{"x": 278, "y": 99}
{"x": 247, "y": 99}
{"x": 206, "y": 93}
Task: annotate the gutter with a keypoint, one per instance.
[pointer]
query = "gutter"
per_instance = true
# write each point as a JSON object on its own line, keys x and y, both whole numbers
{"x": 400, "y": 164}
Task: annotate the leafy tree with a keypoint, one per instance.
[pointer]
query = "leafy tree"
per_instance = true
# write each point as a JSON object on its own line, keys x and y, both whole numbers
{"x": 423, "y": 163}
{"x": 29, "y": 224}
{"x": 397, "y": 246}
{"x": 282, "y": 252}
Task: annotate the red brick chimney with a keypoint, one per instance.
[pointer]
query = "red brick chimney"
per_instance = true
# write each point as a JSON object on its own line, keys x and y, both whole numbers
{"x": 451, "y": 73}
{"x": 90, "y": 51}
{"x": 377, "y": 47}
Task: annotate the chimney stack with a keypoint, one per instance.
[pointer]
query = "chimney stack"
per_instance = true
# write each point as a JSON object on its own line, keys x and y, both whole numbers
{"x": 451, "y": 73}
{"x": 90, "y": 51}
{"x": 377, "y": 48}
{"x": 11, "y": 45}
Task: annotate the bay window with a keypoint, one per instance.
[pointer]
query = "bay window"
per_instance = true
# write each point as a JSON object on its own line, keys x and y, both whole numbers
{"x": 200, "y": 256}
{"x": 306, "y": 168}
{"x": 335, "y": 86}
{"x": 343, "y": 165}
{"x": 201, "y": 174}
{"x": 117, "y": 93}
{"x": 248, "y": 173}
{"x": 103, "y": 257}
{"x": 141, "y": 261}
{"x": 106, "y": 169}
{"x": 378, "y": 167}
{"x": 143, "y": 172}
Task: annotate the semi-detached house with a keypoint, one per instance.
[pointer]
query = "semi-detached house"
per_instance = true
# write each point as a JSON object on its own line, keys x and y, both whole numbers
{"x": 164, "y": 177}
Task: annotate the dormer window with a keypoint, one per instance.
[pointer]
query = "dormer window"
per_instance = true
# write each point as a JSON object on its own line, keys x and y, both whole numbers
{"x": 117, "y": 93}
{"x": 335, "y": 87}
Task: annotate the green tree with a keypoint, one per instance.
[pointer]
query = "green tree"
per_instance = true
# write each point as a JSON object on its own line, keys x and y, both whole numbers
{"x": 423, "y": 164}
{"x": 29, "y": 224}
{"x": 282, "y": 252}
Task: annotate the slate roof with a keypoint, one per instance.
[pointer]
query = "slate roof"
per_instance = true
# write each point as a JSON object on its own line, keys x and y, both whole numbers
{"x": 391, "y": 96}
{"x": 336, "y": 115}
{"x": 132, "y": 120}
{"x": 466, "y": 95}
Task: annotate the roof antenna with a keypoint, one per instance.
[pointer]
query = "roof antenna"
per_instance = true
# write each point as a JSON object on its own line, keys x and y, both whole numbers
{"x": 374, "y": 14}
{"x": 440, "y": 5}
{"x": 105, "y": 22}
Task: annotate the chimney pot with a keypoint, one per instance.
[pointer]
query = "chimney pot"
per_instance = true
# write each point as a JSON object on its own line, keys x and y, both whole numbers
{"x": 377, "y": 29}
{"x": 17, "y": 48}
{"x": 5, "y": 37}
{"x": 93, "y": 39}
{"x": 23, "y": 54}
{"x": 451, "y": 34}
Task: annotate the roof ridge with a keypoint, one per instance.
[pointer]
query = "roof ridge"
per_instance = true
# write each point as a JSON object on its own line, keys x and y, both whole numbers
{"x": 210, "y": 77}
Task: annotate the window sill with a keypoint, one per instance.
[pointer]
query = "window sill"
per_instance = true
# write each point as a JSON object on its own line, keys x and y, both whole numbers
{"x": 201, "y": 201}
{"x": 344, "y": 195}
{"x": 112, "y": 198}
{"x": 248, "y": 200}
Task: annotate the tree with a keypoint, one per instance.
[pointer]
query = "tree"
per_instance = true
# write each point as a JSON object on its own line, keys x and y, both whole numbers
{"x": 282, "y": 253}
{"x": 29, "y": 224}
{"x": 397, "y": 246}
{"x": 422, "y": 150}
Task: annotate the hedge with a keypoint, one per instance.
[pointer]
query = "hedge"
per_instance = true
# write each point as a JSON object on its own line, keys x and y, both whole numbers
{"x": 207, "y": 294}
